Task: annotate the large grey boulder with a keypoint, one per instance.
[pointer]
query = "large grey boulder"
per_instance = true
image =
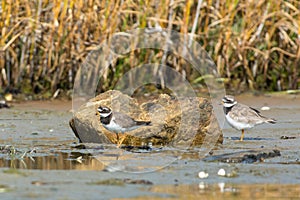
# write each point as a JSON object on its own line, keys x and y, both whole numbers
{"x": 175, "y": 122}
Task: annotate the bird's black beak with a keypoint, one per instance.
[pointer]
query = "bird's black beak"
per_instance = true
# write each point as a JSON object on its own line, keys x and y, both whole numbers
{"x": 98, "y": 110}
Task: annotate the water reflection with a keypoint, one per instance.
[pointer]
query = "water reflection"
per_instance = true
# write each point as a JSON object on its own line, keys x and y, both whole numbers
{"x": 93, "y": 157}
{"x": 57, "y": 161}
{"x": 85, "y": 157}
{"x": 229, "y": 191}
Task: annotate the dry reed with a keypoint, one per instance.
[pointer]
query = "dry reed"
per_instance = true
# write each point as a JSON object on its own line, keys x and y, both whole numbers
{"x": 255, "y": 44}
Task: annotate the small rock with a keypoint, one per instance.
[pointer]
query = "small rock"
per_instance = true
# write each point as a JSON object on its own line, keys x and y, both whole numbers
{"x": 249, "y": 156}
{"x": 232, "y": 174}
{"x": 265, "y": 108}
{"x": 140, "y": 181}
{"x": 284, "y": 137}
{"x": 221, "y": 172}
{"x": 203, "y": 174}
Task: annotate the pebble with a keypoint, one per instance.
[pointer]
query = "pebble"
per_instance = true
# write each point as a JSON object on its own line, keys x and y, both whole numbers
{"x": 265, "y": 108}
{"x": 203, "y": 174}
{"x": 221, "y": 172}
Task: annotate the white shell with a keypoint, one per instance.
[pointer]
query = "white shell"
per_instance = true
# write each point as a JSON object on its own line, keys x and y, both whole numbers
{"x": 203, "y": 174}
{"x": 265, "y": 108}
{"x": 221, "y": 172}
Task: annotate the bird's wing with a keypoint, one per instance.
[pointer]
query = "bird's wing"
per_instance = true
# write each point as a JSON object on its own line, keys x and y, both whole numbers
{"x": 255, "y": 110}
{"x": 243, "y": 113}
{"x": 265, "y": 119}
{"x": 124, "y": 120}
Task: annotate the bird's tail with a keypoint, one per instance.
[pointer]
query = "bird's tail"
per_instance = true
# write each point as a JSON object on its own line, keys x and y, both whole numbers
{"x": 270, "y": 120}
{"x": 143, "y": 123}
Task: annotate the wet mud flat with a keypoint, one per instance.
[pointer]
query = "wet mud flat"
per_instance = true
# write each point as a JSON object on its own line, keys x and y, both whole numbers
{"x": 41, "y": 159}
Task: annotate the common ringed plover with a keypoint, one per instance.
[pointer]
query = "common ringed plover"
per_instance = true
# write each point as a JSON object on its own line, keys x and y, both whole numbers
{"x": 119, "y": 122}
{"x": 242, "y": 117}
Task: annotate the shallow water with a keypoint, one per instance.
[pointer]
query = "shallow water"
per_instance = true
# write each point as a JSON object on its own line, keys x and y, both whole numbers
{"x": 39, "y": 158}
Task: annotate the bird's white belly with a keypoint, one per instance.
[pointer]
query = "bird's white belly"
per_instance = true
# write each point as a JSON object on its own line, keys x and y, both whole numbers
{"x": 114, "y": 127}
{"x": 238, "y": 125}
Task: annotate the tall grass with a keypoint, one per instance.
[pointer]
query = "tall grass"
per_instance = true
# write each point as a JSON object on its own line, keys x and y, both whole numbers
{"x": 255, "y": 44}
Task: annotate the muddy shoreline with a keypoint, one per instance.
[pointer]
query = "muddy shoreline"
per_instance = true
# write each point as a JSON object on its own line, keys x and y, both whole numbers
{"x": 54, "y": 167}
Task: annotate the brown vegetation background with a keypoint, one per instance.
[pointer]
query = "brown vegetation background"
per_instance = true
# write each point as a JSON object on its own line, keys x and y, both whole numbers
{"x": 254, "y": 43}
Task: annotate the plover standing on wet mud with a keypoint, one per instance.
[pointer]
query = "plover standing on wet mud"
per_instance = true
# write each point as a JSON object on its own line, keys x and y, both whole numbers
{"x": 242, "y": 117}
{"x": 119, "y": 122}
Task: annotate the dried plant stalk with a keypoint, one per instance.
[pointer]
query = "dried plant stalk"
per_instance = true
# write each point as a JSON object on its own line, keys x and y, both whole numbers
{"x": 254, "y": 43}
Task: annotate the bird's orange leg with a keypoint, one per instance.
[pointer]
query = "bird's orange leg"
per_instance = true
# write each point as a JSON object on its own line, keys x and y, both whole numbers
{"x": 242, "y": 136}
